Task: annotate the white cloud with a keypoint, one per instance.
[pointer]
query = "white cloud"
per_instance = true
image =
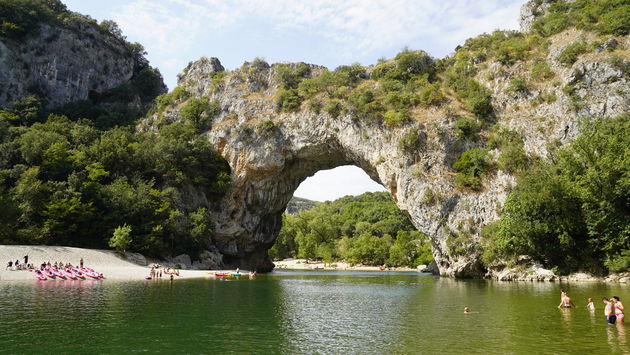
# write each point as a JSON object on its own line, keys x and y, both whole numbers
{"x": 355, "y": 25}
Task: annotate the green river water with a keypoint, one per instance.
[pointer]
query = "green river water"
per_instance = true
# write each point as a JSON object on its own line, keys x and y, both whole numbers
{"x": 307, "y": 313}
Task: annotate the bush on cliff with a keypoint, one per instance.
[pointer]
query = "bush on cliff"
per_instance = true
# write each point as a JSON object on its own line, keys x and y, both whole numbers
{"x": 470, "y": 168}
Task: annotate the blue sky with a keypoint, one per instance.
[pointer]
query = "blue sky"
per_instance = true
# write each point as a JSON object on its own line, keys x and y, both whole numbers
{"x": 325, "y": 32}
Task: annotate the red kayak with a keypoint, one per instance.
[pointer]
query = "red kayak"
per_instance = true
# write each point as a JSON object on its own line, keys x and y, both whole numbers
{"x": 39, "y": 275}
{"x": 220, "y": 274}
{"x": 48, "y": 273}
{"x": 69, "y": 274}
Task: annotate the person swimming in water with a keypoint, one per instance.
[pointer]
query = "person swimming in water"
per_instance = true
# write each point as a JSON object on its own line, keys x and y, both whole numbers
{"x": 466, "y": 310}
{"x": 565, "y": 301}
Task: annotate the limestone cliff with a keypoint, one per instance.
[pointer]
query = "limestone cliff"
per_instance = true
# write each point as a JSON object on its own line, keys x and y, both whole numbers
{"x": 67, "y": 61}
{"x": 271, "y": 152}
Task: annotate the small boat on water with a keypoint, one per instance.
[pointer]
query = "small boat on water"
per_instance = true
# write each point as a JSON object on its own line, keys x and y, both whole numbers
{"x": 220, "y": 274}
{"x": 236, "y": 274}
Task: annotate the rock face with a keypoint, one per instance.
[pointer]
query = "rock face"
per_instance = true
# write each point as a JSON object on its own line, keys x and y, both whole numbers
{"x": 297, "y": 205}
{"x": 63, "y": 64}
{"x": 271, "y": 153}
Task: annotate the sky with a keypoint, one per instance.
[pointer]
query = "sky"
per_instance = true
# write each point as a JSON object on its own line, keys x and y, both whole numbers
{"x": 324, "y": 32}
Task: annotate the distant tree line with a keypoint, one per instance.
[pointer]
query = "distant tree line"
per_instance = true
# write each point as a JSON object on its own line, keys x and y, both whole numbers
{"x": 367, "y": 229}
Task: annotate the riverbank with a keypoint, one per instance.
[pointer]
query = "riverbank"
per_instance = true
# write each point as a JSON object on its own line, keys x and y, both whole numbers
{"x": 303, "y": 264}
{"x": 108, "y": 262}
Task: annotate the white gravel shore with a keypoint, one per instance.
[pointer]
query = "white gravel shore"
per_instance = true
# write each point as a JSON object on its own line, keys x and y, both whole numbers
{"x": 103, "y": 261}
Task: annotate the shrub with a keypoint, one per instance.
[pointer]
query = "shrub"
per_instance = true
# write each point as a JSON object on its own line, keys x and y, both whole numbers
{"x": 200, "y": 112}
{"x": 545, "y": 97}
{"x": 366, "y": 104}
{"x": 394, "y": 118}
{"x": 619, "y": 63}
{"x": 164, "y": 100}
{"x": 333, "y": 108}
{"x": 479, "y": 102}
{"x": 616, "y": 22}
{"x": 551, "y": 24}
{"x": 471, "y": 166}
{"x": 288, "y": 100}
{"x": 431, "y": 95}
{"x": 266, "y": 127}
{"x": 570, "y": 54}
{"x": 411, "y": 141}
{"x": 517, "y": 85}
{"x": 291, "y": 75}
{"x": 513, "y": 158}
{"x": 542, "y": 71}
{"x": 466, "y": 127}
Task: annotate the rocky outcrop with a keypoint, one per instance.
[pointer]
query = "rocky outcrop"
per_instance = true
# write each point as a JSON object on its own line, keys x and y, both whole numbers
{"x": 297, "y": 205}
{"x": 65, "y": 63}
{"x": 270, "y": 152}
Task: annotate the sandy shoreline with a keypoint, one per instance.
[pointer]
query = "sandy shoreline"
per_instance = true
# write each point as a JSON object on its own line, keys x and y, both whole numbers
{"x": 107, "y": 262}
{"x": 303, "y": 264}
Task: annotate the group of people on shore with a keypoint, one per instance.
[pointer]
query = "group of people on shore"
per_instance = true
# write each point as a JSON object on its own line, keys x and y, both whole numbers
{"x": 11, "y": 265}
{"x": 613, "y": 309}
{"x": 157, "y": 271}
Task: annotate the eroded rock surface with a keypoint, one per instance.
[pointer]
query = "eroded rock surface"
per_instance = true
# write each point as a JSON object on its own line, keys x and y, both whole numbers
{"x": 63, "y": 64}
{"x": 271, "y": 153}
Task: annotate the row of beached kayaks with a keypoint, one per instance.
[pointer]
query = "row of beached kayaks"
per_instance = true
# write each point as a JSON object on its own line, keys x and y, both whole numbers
{"x": 67, "y": 274}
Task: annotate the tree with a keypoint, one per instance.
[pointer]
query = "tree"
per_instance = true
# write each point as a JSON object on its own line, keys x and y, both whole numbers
{"x": 121, "y": 240}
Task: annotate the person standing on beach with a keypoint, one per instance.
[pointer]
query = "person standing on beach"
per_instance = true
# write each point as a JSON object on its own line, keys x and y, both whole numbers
{"x": 9, "y": 265}
{"x": 81, "y": 262}
{"x": 26, "y": 259}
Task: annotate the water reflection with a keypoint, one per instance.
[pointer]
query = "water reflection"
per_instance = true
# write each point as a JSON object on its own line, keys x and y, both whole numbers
{"x": 293, "y": 312}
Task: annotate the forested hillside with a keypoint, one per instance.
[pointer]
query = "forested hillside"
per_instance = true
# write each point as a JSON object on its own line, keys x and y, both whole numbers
{"x": 71, "y": 174}
{"x": 367, "y": 229}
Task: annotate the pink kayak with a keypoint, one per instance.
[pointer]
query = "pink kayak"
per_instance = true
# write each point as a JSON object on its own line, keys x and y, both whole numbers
{"x": 39, "y": 275}
{"x": 48, "y": 273}
{"x": 58, "y": 273}
{"x": 100, "y": 276}
{"x": 78, "y": 274}
{"x": 91, "y": 273}
{"x": 69, "y": 273}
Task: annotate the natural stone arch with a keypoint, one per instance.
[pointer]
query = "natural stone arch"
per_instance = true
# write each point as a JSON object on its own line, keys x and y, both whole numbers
{"x": 270, "y": 153}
